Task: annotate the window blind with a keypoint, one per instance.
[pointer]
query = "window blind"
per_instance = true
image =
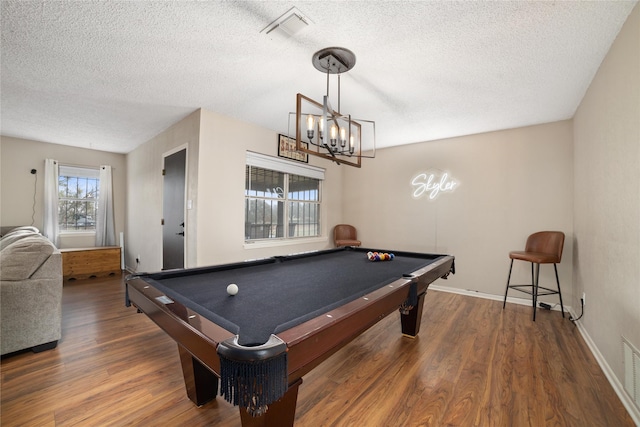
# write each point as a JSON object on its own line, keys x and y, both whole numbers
{"x": 273, "y": 163}
{"x": 78, "y": 171}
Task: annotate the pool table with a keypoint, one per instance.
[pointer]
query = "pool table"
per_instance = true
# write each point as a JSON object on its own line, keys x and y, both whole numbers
{"x": 291, "y": 313}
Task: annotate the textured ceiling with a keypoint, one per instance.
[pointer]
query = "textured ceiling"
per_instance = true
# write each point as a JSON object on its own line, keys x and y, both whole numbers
{"x": 110, "y": 75}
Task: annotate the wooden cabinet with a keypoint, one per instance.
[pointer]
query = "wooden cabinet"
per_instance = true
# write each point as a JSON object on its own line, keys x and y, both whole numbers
{"x": 84, "y": 263}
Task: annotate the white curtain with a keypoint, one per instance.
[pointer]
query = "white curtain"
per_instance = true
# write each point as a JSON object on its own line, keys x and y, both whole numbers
{"x": 50, "y": 225}
{"x": 105, "y": 223}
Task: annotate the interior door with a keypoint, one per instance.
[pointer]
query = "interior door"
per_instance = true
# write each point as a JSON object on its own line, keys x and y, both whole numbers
{"x": 173, "y": 210}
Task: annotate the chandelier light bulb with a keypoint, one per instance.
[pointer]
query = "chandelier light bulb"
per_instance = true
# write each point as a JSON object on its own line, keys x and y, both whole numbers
{"x": 334, "y": 134}
{"x": 310, "y": 122}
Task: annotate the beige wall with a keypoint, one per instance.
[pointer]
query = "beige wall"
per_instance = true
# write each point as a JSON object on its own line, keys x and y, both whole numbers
{"x": 19, "y": 156}
{"x": 144, "y": 194}
{"x": 223, "y": 145}
{"x": 217, "y": 147}
{"x": 607, "y": 198}
{"x": 511, "y": 184}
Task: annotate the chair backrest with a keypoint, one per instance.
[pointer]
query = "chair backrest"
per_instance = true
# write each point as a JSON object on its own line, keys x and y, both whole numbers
{"x": 344, "y": 232}
{"x": 546, "y": 242}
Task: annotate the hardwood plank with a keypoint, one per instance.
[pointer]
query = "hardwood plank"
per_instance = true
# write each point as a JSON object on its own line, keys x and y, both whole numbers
{"x": 473, "y": 364}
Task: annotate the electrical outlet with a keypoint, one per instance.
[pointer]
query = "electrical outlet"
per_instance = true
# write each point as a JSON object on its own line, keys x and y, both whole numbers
{"x": 584, "y": 299}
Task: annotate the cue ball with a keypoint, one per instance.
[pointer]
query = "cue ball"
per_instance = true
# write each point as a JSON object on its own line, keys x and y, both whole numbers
{"x": 232, "y": 289}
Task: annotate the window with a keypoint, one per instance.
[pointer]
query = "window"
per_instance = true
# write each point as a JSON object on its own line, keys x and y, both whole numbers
{"x": 77, "y": 198}
{"x": 282, "y": 203}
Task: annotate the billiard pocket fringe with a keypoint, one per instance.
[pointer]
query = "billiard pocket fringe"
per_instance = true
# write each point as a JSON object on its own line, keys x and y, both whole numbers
{"x": 253, "y": 384}
{"x": 412, "y": 299}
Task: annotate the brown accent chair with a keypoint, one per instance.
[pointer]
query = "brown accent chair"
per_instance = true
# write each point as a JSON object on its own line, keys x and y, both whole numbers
{"x": 345, "y": 235}
{"x": 543, "y": 247}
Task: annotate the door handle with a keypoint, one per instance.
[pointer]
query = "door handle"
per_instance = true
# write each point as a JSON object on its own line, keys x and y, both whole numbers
{"x": 180, "y": 234}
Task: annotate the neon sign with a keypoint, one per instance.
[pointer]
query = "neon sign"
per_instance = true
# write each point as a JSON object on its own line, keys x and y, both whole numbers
{"x": 431, "y": 184}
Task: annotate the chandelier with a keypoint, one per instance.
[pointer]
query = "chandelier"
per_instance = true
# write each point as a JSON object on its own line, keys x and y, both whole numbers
{"x": 324, "y": 132}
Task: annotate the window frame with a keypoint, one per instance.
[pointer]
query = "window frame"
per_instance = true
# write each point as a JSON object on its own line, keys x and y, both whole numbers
{"x": 83, "y": 172}
{"x": 287, "y": 168}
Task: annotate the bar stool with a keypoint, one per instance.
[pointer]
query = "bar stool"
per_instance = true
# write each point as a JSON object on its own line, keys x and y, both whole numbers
{"x": 543, "y": 247}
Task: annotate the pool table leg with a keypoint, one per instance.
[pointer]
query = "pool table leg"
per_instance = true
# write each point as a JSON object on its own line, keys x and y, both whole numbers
{"x": 411, "y": 321}
{"x": 280, "y": 414}
{"x": 201, "y": 383}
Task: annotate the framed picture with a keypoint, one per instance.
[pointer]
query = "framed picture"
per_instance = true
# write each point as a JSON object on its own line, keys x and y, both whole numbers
{"x": 287, "y": 149}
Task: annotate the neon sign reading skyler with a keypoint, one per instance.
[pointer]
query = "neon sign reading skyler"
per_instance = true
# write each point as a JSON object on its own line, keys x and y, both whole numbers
{"x": 431, "y": 184}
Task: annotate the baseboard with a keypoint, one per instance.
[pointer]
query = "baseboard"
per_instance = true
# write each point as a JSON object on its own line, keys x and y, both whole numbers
{"x": 618, "y": 387}
{"x": 608, "y": 372}
{"x": 512, "y": 300}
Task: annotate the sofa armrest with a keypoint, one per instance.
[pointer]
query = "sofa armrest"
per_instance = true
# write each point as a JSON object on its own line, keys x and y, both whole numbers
{"x": 52, "y": 267}
{"x": 22, "y": 258}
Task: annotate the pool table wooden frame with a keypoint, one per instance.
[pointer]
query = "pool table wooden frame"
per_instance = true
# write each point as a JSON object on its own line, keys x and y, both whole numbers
{"x": 308, "y": 344}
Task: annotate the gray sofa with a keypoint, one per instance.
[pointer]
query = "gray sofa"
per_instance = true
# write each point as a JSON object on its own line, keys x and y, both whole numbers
{"x": 30, "y": 292}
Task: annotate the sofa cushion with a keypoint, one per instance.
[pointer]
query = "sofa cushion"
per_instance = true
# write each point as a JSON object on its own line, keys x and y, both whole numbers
{"x": 22, "y": 258}
{"x": 24, "y": 228}
{"x": 16, "y": 235}
{"x": 4, "y": 229}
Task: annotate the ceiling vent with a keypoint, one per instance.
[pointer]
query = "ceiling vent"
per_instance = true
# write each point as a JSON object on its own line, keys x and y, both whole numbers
{"x": 292, "y": 22}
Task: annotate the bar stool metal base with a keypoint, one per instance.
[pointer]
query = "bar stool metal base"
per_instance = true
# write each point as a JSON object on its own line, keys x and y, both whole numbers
{"x": 534, "y": 289}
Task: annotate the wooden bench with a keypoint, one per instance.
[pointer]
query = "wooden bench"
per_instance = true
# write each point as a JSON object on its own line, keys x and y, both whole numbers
{"x": 85, "y": 263}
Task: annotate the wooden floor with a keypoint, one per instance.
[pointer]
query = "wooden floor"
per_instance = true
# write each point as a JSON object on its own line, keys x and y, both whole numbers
{"x": 473, "y": 364}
